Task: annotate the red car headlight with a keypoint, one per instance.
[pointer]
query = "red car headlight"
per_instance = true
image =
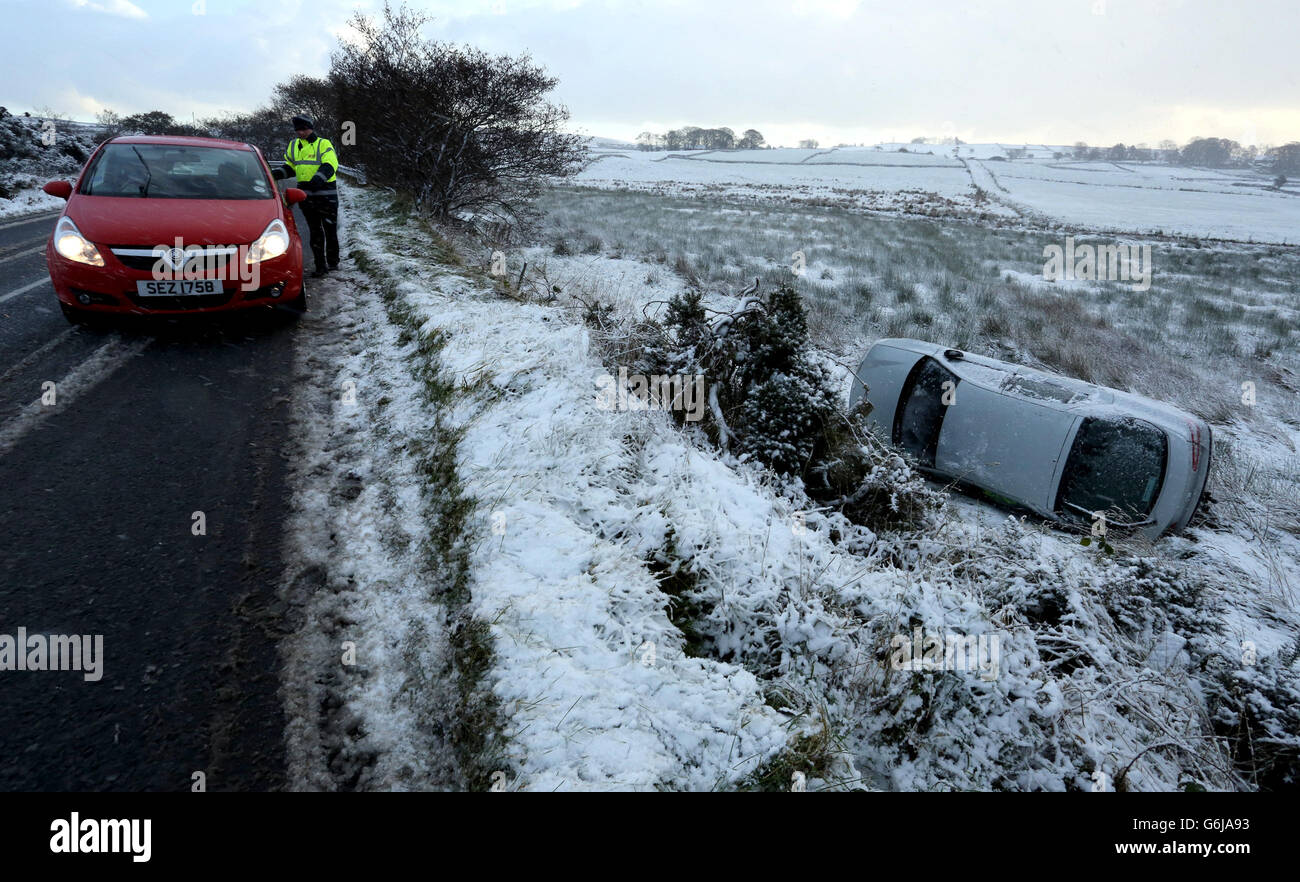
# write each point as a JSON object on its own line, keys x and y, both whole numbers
{"x": 69, "y": 242}
{"x": 273, "y": 242}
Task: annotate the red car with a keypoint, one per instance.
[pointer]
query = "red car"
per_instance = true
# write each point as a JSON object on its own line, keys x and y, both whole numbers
{"x": 163, "y": 225}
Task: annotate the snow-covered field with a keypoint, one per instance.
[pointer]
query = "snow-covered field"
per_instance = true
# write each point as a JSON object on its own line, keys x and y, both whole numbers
{"x": 878, "y": 181}
{"x": 1100, "y": 197}
{"x": 1162, "y": 199}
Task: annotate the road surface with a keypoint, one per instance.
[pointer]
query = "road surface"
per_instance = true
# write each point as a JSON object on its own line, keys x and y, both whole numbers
{"x": 150, "y": 424}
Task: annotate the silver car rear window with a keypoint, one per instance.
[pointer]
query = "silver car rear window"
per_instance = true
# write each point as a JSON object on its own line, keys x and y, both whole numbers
{"x": 1041, "y": 389}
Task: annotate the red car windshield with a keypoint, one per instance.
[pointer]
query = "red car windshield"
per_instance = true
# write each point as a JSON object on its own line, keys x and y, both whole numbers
{"x": 167, "y": 171}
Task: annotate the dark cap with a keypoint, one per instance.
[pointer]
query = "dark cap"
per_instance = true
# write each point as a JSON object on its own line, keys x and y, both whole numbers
{"x": 303, "y": 122}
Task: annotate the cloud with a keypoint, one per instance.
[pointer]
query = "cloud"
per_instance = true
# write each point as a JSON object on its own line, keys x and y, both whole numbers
{"x": 836, "y": 70}
{"x": 124, "y": 8}
{"x": 835, "y": 9}
{"x": 77, "y": 104}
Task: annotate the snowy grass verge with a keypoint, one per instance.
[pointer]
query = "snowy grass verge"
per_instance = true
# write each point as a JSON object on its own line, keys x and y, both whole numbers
{"x": 662, "y": 617}
{"x": 383, "y": 668}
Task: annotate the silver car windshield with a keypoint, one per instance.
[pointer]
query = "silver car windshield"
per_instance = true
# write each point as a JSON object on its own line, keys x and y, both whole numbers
{"x": 164, "y": 171}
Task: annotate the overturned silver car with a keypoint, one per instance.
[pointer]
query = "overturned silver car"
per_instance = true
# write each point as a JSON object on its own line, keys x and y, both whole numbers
{"x": 1062, "y": 448}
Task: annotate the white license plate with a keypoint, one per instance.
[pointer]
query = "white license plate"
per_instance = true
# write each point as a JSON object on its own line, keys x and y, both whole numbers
{"x": 178, "y": 287}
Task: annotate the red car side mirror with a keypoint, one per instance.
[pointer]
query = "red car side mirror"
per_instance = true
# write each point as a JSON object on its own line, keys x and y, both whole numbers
{"x": 62, "y": 189}
{"x": 293, "y": 195}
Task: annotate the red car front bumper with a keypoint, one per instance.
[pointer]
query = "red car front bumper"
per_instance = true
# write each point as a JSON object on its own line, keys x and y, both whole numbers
{"x": 111, "y": 289}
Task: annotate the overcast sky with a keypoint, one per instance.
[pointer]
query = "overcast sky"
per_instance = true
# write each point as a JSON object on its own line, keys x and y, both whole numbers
{"x": 841, "y": 71}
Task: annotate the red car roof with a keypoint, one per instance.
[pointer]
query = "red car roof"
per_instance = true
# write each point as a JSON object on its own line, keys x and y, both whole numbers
{"x": 181, "y": 141}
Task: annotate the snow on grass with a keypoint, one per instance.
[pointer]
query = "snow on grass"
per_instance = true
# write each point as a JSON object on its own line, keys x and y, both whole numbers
{"x": 927, "y": 184}
{"x": 590, "y": 669}
{"x": 358, "y": 574}
{"x": 35, "y": 158}
{"x": 1150, "y": 198}
{"x": 872, "y": 157}
{"x": 29, "y": 200}
{"x": 1101, "y": 196}
{"x": 784, "y": 155}
{"x": 975, "y": 151}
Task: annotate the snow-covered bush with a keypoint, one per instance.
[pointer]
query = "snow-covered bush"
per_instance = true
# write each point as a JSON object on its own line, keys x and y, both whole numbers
{"x": 26, "y": 160}
{"x": 858, "y": 474}
{"x": 769, "y": 401}
{"x": 1256, "y": 708}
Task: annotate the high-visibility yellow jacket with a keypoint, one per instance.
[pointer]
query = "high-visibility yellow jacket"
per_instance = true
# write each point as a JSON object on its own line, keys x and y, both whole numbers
{"x": 306, "y": 158}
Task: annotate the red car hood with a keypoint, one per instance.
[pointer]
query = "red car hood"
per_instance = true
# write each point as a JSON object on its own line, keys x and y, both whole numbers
{"x": 110, "y": 220}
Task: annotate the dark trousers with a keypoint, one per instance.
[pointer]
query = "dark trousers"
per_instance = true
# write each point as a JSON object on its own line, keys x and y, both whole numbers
{"x": 322, "y": 216}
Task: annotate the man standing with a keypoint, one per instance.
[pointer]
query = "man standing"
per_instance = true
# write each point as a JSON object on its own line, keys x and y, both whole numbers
{"x": 311, "y": 159}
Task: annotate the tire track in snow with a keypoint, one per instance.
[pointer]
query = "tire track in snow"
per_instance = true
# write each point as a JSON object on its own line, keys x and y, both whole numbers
{"x": 98, "y": 367}
{"x": 37, "y": 354}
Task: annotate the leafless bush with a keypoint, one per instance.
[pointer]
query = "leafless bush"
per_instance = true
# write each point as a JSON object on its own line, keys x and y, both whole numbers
{"x": 465, "y": 133}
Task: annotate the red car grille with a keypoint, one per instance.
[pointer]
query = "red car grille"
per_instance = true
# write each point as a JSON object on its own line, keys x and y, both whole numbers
{"x": 212, "y": 258}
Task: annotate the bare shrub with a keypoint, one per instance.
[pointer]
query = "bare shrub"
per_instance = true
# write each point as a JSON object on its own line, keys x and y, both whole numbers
{"x": 463, "y": 132}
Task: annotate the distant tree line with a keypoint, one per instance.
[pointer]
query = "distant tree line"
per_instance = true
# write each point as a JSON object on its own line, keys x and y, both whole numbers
{"x": 1204, "y": 152}
{"x": 696, "y": 138}
{"x": 1286, "y": 159}
{"x": 267, "y": 128}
